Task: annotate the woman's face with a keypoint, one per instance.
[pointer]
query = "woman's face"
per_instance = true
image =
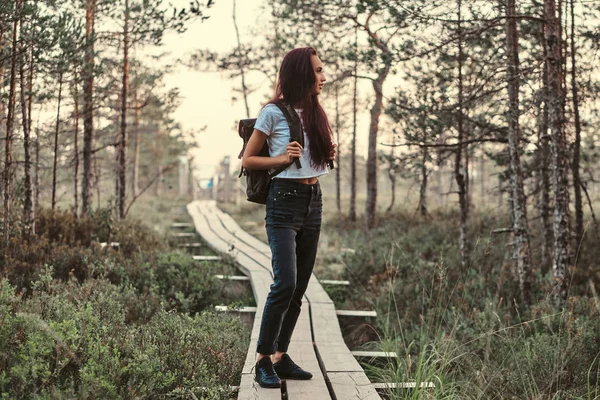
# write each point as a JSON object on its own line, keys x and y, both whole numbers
{"x": 319, "y": 75}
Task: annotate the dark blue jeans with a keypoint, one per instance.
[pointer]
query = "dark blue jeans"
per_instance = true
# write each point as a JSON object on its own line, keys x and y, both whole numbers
{"x": 293, "y": 227}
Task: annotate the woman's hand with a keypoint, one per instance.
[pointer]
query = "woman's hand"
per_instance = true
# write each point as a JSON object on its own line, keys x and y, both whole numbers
{"x": 332, "y": 152}
{"x": 293, "y": 151}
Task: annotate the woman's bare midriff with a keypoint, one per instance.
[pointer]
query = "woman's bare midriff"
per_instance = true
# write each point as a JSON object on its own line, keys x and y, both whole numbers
{"x": 304, "y": 181}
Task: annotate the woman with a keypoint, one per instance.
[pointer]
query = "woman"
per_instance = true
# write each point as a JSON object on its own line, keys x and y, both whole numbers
{"x": 294, "y": 205}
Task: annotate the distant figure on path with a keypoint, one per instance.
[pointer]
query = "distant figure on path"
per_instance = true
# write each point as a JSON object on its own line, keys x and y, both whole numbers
{"x": 294, "y": 205}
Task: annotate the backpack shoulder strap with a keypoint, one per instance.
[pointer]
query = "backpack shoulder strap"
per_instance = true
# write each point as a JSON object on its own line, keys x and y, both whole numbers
{"x": 295, "y": 125}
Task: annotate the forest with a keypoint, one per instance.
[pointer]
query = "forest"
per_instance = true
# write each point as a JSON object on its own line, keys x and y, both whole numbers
{"x": 465, "y": 187}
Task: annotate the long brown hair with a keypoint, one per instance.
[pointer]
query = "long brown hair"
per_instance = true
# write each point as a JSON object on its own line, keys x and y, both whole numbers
{"x": 295, "y": 85}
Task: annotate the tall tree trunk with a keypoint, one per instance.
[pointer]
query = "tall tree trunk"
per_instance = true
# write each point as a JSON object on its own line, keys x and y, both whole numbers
{"x": 9, "y": 127}
{"x": 29, "y": 120}
{"x": 458, "y": 167}
{"x": 353, "y": 149}
{"x": 577, "y": 144}
{"x": 123, "y": 139}
{"x": 36, "y": 170}
{"x": 136, "y": 139}
{"x": 521, "y": 249}
{"x": 338, "y": 190}
{"x": 424, "y": 179}
{"x": 56, "y": 131}
{"x": 241, "y": 64}
{"x": 88, "y": 106}
{"x": 372, "y": 161}
{"x": 392, "y": 173}
{"x": 544, "y": 206}
{"x": 76, "y": 142}
{"x": 558, "y": 146}
{"x": 28, "y": 201}
{"x": 482, "y": 178}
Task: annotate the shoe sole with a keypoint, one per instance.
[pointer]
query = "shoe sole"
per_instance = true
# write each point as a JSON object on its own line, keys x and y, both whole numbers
{"x": 274, "y": 386}
{"x": 295, "y": 379}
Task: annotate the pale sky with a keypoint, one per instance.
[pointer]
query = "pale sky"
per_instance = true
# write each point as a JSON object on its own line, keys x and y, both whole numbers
{"x": 207, "y": 97}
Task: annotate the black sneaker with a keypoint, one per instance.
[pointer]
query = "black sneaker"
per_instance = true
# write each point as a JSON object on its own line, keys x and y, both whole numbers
{"x": 265, "y": 374}
{"x": 287, "y": 369}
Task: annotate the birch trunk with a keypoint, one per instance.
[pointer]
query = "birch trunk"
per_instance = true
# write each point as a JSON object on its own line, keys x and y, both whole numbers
{"x": 123, "y": 138}
{"x": 577, "y": 144}
{"x": 88, "y": 106}
{"x": 76, "y": 142}
{"x": 29, "y": 119}
{"x": 353, "y": 146}
{"x": 424, "y": 179}
{"x": 55, "y": 161}
{"x": 9, "y": 128}
{"x": 372, "y": 152}
{"x": 28, "y": 201}
{"x": 521, "y": 249}
{"x": 458, "y": 167}
{"x": 338, "y": 189}
{"x": 544, "y": 146}
{"x": 136, "y": 139}
{"x": 561, "y": 251}
{"x": 240, "y": 63}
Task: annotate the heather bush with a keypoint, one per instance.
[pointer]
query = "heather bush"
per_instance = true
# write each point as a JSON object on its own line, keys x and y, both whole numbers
{"x": 78, "y": 320}
{"x": 73, "y": 339}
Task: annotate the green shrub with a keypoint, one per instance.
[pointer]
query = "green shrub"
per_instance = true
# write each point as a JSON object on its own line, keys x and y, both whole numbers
{"x": 72, "y": 339}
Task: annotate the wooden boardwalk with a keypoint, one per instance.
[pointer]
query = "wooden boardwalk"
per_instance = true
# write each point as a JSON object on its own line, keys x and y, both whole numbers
{"x": 317, "y": 343}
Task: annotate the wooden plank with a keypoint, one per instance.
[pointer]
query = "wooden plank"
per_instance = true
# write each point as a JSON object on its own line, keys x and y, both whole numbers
{"x": 182, "y": 225}
{"x": 189, "y": 244}
{"x": 356, "y": 313}
{"x": 250, "y": 390}
{"x": 374, "y": 354}
{"x": 236, "y": 310}
{"x": 303, "y": 354}
{"x": 334, "y": 282}
{"x": 233, "y": 277}
{"x": 404, "y": 385}
{"x": 111, "y": 244}
{"x": 206, "y": 258}
{"x": 352, "y": 385}
{"x": 183, "y": 234}
{"x": 315, "y": 292}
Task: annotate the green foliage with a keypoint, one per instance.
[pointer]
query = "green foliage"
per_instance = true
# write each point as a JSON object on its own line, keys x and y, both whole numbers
{"x": 73, "y": 338}
{"x": 461, "y": 329}
{"x": 82, "y": 321}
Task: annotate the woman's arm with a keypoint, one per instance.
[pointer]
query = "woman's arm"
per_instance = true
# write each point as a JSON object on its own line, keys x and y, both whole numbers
{"x": 251, "y": 160}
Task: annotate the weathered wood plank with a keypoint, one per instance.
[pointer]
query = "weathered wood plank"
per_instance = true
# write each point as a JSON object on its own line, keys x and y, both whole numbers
{"x": 334, "y": 282}
{"x": 189, "y": 245}
{"x": 247, "y": 309}
{"x": 352, "y": 385}
{"x": 111, "y": 244}
{"x": 242, "y": 278}
{"x": 315, "y": 292}
{"x": 303, "y": 354}
{"x": 206, "y": 258}
{"x": 374, "y": 354}
{"x": 356, "y": 313}
{"x": 183, "y": 234}
{"x": 250, "y": 390}
{"x": 182, "y": 225}
{"x": 404, "y": 385}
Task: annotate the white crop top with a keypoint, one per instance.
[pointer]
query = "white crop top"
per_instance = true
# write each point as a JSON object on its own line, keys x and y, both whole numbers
{"x": 272, "y": 123}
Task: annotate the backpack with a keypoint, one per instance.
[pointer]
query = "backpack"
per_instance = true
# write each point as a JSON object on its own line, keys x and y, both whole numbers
{"x": 259, "y": 181}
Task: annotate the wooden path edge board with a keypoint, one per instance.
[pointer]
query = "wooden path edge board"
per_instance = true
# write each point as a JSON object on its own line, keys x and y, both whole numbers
{"x": 342, "y": 374}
